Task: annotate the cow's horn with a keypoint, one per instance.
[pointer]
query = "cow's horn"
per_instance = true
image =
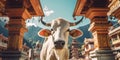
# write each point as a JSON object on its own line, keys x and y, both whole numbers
{"x": 76, "y": 23}
{"x": 44, "y": 23}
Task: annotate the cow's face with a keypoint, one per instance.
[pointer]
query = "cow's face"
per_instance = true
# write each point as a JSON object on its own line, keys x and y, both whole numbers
{"x": 60, "y": 32}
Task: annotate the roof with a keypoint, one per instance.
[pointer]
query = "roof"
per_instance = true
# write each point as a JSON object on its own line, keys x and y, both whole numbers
{"x": 82, "y": 6}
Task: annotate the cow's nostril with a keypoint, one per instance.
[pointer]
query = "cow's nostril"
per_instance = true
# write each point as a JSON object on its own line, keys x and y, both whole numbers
{"x": 55, "y": 42}
{"x": 59, "y": 42}
{"x": 62, "y": 43}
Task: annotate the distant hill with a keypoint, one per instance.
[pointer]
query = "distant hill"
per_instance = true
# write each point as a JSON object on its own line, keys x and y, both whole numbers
{"x": 31, "y": 36}
{"x": 86, "y": 33}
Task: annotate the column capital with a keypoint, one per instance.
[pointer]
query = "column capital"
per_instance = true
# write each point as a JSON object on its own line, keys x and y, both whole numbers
{"x": 94, "y": 12}
{"x": 18, "y": 13}
{"x": 100, "y": 27}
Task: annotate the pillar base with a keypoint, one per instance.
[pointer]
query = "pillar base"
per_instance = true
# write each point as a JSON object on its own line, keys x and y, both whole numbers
{"x": 13, "y": 55}
{"x": 102, "y": 55}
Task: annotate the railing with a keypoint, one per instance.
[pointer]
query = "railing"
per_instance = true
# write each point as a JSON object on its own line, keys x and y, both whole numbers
{"x": 116, "y": 41}
{"x": 114, "y": 6}
{"x": 91, "y": 26}
{"x": 3, "y": 44}
{"x": 114, "y": 27}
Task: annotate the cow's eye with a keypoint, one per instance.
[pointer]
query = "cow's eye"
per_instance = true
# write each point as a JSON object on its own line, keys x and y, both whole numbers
{"x": 51, "y": 29}
{"x": 68, "y": 30}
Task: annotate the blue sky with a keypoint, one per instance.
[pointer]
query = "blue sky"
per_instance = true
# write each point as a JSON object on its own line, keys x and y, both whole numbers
{"x": 59, "y": 8}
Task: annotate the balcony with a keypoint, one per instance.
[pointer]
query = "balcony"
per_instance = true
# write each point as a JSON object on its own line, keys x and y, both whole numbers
{"x": 2, "y": 44}
{"x": 114, "y": 29}
{"x": 116, "y": 41}
{"x": 114, "y": 5}
{"x": 91, "y": 26}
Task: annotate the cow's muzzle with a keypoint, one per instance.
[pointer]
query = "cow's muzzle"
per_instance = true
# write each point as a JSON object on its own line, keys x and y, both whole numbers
{"x": 59, "y": 44}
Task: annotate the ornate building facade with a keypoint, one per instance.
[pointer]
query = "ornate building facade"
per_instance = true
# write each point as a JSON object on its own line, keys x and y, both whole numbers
{"x": 114, "y": 34}
{"x": 114, "y": 31}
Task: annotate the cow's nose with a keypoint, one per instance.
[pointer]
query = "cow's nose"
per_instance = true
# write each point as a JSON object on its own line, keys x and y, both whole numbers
{"x": 59, "y": 44}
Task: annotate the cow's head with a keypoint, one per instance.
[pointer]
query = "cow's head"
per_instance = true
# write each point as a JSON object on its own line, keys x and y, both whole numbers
{"x": 60, "y": 31}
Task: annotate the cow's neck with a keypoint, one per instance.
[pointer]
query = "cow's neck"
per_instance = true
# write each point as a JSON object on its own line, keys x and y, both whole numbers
{"x": 61, "y": 54}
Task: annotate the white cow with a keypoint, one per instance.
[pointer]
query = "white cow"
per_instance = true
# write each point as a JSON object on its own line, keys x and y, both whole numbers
{"x": 55, "y": 46}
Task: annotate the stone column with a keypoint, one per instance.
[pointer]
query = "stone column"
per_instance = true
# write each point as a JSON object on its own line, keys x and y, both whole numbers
{"x": 99, "y": 28}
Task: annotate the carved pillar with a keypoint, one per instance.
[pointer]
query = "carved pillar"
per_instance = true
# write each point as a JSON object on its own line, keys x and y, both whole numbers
{"x": 114, "y": 9}
{"x": 99, "y": 28}
{"x": 16, "y": 29}
{"x": 18, "y": 11}
{"x": 17, "y": 14}
{"x": 97, "y": 10}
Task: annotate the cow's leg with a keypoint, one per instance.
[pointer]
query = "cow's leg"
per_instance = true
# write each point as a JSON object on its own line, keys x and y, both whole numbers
{"x": 42, "y": 56}
{"x": 51, "y": 56}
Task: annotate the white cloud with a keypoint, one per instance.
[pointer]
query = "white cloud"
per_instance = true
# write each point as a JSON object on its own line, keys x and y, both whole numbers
{"x": 31, "y": 24}
{"x": 4, "y": 19}
{"x": 47, "y": 11}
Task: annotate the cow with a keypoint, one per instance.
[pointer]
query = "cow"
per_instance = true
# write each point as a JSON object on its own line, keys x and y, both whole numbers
{"x": 55, "y": 45}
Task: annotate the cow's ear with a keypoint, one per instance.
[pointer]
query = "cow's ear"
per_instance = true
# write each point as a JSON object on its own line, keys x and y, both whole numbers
{"x": 75, "y": 33}
{"x": 44, "y": 33}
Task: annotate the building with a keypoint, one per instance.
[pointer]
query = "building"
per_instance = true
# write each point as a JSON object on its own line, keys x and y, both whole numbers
{"x": 25, "y": 50}
{"x": 88, "y": 47}
{"x": 74, "y": 50}
{"x": 34, "y": 53}
{"x": 3, "y": 42}
{"x": 114, "y": 31}
{"x": 114, "y": 6}
{"x": 37, "y": 50}
{"x": 114, "y": 34}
